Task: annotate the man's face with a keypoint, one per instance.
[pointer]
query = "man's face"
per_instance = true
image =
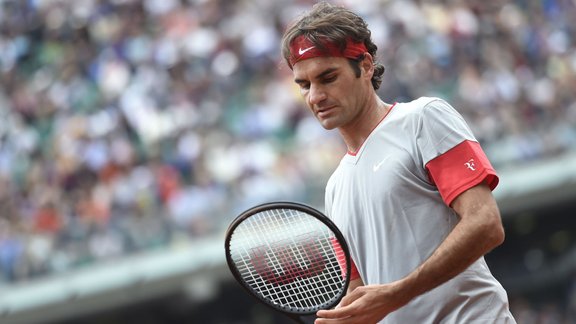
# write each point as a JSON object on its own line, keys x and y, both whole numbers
{"x": 331, "y": 89}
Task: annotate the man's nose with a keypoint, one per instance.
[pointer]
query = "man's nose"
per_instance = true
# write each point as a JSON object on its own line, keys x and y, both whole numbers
{"x": 316, "y": 95}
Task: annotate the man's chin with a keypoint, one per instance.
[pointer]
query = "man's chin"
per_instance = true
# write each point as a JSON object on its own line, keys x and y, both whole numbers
{"x": 327, "y": 125}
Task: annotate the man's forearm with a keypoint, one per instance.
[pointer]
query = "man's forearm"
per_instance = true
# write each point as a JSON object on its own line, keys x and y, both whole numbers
{"x": 479, "y": 231}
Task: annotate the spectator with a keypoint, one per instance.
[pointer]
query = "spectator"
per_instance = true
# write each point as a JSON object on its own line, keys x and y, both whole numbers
{"x": 128, "y": 124}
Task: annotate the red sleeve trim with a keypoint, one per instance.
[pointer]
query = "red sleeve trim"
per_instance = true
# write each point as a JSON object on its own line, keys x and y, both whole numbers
{"x": 354, "y": 274}
{"x": 461, "y": 168}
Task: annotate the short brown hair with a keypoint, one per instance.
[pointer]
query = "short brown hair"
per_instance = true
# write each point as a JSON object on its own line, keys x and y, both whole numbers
{"x": 337, "y": 25}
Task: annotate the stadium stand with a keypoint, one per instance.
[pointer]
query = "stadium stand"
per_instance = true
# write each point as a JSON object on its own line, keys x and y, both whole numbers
{"x": 133, "y": 131}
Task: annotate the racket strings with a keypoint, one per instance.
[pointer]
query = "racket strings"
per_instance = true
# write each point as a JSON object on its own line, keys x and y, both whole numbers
{"x": 289, "y": 258}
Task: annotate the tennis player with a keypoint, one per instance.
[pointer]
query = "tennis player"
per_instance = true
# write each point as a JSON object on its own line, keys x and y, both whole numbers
{"x": 413, "y": 194}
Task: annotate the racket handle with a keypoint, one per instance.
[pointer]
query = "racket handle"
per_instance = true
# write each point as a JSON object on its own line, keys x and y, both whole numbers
{"x": 304, "y": 319}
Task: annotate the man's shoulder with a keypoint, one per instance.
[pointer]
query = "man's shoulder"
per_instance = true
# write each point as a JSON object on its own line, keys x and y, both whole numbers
{"x": 422, "y": 102}
{"x": 424, "y": 107}
{"x": 413, "y": 109}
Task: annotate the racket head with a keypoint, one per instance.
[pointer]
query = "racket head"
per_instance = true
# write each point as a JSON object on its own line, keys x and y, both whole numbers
{"x": 289, "y": 256}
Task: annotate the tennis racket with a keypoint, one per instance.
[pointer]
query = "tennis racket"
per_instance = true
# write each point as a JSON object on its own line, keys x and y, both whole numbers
{"x": 290, "y": 257}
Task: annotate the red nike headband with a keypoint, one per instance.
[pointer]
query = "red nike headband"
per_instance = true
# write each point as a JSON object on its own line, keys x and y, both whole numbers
{"x": 302, "y": 49}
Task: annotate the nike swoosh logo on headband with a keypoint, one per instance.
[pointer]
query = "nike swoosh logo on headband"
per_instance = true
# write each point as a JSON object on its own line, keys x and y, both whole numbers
{"x": 302, "y": 51}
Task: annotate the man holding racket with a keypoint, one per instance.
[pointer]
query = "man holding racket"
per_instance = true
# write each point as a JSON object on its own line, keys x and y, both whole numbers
{"x": 412, "y": 196}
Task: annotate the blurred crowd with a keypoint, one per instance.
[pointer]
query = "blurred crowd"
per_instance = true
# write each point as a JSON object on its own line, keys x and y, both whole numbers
{"x": 131, "y": 125}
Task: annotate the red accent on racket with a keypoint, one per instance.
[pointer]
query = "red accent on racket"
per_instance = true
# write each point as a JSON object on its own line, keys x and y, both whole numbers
{"x": 289, "y": 256}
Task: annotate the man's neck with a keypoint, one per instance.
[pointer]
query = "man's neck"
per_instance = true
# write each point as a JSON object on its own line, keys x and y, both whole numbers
{"x": 356, "y": 133}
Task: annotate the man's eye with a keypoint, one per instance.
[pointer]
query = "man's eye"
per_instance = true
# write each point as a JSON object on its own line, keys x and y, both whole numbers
{"x": 329, "y": 80}
{"x": 304, "y": 86}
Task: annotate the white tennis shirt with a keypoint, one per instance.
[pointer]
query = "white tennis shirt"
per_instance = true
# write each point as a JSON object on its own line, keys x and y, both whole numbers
{"x": 391, "y": 201}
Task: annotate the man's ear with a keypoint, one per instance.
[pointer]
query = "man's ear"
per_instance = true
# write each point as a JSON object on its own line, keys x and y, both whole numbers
{"x": 367, "y": 64}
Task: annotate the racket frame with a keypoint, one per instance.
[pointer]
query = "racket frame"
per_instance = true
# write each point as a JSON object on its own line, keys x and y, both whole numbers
{"x": 294, "y": 206}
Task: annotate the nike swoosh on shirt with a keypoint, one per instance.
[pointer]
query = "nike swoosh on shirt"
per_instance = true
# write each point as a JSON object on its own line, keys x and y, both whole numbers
{"x": 302, "y": 51}
{"x": 377, "y": 166}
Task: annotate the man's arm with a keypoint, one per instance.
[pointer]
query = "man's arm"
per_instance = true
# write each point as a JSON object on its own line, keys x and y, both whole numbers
{"x": 479, "y": 231}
